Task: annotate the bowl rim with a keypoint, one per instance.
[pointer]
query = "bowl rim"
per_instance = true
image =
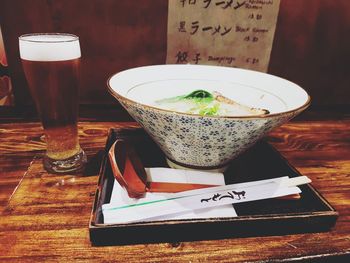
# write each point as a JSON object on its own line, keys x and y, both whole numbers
{"x": 258, "y": 116}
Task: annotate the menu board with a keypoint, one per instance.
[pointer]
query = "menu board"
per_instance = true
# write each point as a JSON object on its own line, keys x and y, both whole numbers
{"x": 233, "y": 33}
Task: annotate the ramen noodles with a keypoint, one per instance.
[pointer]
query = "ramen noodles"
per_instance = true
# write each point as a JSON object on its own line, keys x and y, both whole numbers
{"x": 205, "y": 103}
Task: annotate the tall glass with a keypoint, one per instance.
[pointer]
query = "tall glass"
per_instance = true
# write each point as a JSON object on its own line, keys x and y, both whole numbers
{"x": 51, "y": 65}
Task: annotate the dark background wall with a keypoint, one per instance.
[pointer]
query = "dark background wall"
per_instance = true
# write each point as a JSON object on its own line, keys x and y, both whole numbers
{"x": 311, "y": 45}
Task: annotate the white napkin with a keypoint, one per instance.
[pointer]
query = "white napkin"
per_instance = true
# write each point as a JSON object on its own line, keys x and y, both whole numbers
{"x": 120, "y": 197}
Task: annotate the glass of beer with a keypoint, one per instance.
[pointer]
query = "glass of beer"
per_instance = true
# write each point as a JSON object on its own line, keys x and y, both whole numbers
{"x": 51, "y": 63}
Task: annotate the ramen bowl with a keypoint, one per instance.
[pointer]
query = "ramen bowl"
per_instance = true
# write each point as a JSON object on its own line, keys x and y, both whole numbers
{"x": 205, "y": 142}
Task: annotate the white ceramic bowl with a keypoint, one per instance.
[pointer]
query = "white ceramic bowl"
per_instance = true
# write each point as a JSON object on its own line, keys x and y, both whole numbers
{"x": 205, "y": 142}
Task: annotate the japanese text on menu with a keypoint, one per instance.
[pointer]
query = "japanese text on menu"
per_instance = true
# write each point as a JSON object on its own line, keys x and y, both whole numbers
{"x": 233, "y": 33}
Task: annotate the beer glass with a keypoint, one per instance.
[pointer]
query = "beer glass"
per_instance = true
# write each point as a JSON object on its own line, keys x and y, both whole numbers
{"x": 51, "y": 65}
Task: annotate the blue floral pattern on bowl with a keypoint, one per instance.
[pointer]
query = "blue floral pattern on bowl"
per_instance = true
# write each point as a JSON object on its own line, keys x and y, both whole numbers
{"x": 205, "y": 142}
{"x": 213, "y": 145}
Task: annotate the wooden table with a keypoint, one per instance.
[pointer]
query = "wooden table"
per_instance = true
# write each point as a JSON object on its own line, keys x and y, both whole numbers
{"x": 52, "y": 225}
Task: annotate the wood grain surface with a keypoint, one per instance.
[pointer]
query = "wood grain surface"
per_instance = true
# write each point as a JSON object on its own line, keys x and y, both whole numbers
{"x": 50, "y": 222}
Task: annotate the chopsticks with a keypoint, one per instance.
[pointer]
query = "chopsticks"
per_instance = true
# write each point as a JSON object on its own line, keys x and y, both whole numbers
{"x": 205, "y": 198}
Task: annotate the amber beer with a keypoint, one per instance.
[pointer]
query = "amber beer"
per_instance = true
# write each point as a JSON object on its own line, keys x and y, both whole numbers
{"x": 51, "y": 65}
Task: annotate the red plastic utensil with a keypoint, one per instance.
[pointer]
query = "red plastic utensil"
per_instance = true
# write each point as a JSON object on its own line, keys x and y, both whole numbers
{"x": 129, "y": 171}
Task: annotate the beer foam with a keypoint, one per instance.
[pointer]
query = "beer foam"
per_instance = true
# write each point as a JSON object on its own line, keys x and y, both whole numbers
{"x": 49, "y": 47}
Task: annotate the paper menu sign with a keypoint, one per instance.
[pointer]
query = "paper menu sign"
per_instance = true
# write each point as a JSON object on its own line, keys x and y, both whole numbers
{"x": 233, "y": 33}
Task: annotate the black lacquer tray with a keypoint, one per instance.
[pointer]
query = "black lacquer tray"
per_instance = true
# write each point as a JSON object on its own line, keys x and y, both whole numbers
{"x": 310, "y": 213}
